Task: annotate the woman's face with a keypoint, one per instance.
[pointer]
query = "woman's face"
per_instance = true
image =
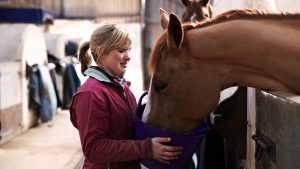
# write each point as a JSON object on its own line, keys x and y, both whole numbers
{"x": 115, "y": 62}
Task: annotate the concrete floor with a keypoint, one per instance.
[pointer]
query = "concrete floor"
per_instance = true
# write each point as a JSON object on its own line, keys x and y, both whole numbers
{"x": 44, "y": 147}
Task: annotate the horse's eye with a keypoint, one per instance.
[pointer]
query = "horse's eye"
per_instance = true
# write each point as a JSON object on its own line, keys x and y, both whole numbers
{"x": 159, "y": 87}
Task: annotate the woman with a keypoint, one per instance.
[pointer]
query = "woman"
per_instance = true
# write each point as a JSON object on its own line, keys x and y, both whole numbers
{"x": 103, "y": 109}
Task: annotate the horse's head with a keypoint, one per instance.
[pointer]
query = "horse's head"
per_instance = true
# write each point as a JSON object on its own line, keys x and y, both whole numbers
{"x": 182, "y": 94}
{"x": 196, "y": 10}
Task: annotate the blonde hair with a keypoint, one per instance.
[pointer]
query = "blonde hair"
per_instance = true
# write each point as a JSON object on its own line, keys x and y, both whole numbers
{"x": 103, "y": 40}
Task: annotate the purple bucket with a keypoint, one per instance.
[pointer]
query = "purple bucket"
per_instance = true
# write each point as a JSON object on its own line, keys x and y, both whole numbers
{"x": 190, "y": 141}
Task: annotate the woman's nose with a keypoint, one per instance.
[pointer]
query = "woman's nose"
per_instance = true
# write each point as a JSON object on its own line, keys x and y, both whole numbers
{"x": 127, "y": 56}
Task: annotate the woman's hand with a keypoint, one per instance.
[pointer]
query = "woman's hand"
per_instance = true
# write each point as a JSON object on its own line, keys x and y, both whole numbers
{"x": 164, "y": 153}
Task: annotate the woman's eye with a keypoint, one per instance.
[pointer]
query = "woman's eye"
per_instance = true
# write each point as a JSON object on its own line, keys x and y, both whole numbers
{"x": 122, "y": 50}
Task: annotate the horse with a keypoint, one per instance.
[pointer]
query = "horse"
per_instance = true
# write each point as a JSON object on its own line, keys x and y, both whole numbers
{"x": 192, "y": 65}
{"x": 196, "y": 10}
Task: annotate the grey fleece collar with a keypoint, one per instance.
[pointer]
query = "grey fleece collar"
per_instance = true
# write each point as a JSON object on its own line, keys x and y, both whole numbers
{"x": 97, "y": 75}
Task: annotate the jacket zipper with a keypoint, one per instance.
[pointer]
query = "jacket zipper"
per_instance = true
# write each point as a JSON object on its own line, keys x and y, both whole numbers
{"x": 125, "y": 97}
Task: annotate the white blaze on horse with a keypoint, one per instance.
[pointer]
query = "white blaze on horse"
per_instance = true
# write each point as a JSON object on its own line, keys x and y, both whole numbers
{"x": 192, "y": 65}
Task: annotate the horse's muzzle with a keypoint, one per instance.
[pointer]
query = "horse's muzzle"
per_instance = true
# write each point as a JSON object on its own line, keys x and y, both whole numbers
{"x": 189, "y": 141}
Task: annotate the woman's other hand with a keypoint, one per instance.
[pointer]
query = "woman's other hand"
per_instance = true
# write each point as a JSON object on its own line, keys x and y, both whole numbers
{"x": 164, "y": 153}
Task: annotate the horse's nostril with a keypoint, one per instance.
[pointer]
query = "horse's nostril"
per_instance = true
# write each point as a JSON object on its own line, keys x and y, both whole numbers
{"x": 159, "y": 87}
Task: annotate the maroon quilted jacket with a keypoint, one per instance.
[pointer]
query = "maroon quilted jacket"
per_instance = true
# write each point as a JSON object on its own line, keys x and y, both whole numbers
{"x": 103, "y": 112}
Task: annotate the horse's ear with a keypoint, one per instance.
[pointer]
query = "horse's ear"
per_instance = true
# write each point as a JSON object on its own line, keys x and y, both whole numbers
{"x": 204, "y": 2}
{"x": 175, "y": 31}
{"x": 164, "y": 18}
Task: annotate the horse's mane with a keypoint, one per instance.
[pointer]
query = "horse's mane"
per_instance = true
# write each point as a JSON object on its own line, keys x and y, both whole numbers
{"x": 245, "y": 14}
{"x": 161, "y": 43}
